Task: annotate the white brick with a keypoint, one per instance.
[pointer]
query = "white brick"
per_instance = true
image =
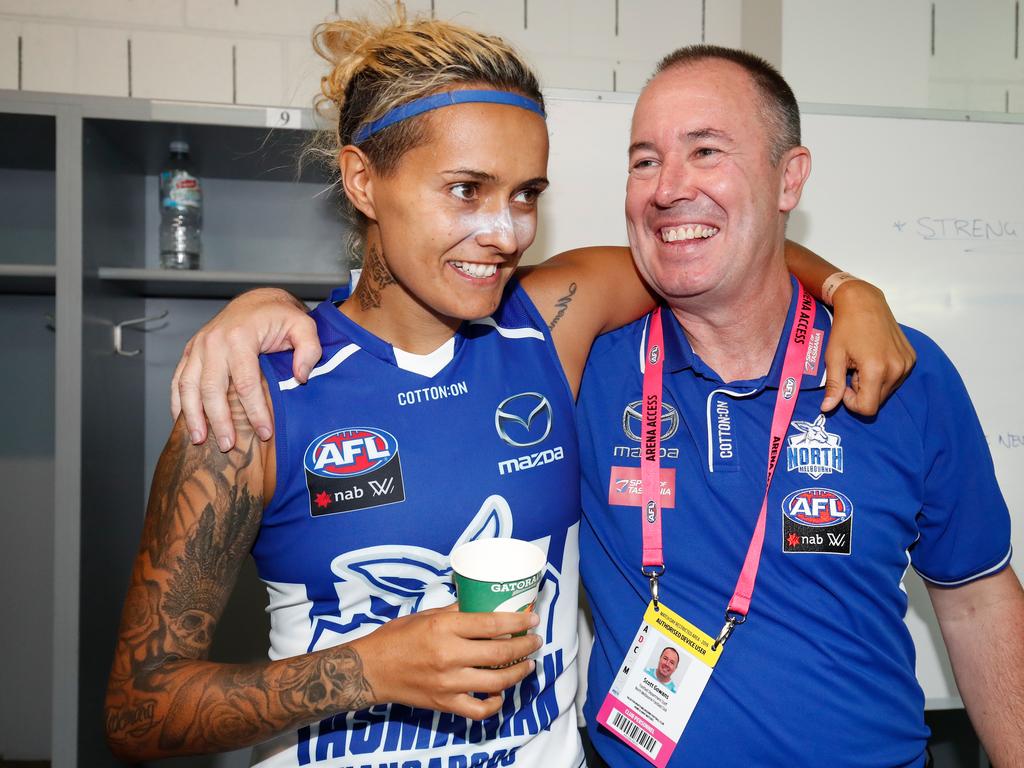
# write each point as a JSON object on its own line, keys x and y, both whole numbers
{"x": 592, "y": 28}
{"x": 48, "y": 58}
{"x": 986, "y": 98}
{"x": 259, "y": 72}
{"x": 377, "y": 11}
{"x": 415, "y": 9}
{"x": 9, "y": 31}
{"x": 495, "y": 17}
{"x": 631, "y": 76}
{"x": 947, "y": 95}
{"x": 1016, "y": 98}
{"x": 973, "y": 40}
{"x": 102, "y": 61}
{"x": 823, "y": 52}
{"x": 178, "y": 66}
{"x": 654, "y": 28}
{"x": 294, "y": 17}
{"x": 548, "y": 28}
{"x": 302, "y": 72}
{"x": 147, "y": 12}
{"x": 565, "y": 72}
{"x": 723, "y": 23}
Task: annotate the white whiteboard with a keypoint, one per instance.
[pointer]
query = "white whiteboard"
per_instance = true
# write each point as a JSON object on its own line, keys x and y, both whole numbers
{"x": 930, "y": 210}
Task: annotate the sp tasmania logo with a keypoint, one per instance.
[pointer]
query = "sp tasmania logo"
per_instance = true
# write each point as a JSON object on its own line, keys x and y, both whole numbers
{"x": 817, "y": 520}
{"x": 350, "y": 469}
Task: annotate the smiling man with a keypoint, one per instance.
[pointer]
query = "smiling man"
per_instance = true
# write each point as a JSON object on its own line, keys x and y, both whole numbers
{"x": 731, "y": 359}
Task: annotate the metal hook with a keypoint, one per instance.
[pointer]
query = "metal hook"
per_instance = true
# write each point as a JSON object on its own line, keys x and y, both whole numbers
{"x": 118, "y": 327}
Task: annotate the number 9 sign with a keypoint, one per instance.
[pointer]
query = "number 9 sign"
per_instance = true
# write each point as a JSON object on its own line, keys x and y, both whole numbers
{"x": 283, "y": 118}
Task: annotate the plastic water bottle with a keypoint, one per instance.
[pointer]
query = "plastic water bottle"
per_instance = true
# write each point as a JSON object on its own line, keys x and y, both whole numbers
{"x": 181, "y": 211}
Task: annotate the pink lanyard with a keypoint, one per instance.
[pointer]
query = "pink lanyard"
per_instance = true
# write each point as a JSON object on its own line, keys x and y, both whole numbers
{"x": 650, "y": 468}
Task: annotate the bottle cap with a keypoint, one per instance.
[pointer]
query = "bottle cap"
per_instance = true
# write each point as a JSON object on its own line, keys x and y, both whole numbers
{"x": 179, "y": 147}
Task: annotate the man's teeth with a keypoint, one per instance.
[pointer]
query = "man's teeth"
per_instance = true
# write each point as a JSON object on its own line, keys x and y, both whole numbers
{"x": 693, "y": 232}
{"x": 475, "y": 270}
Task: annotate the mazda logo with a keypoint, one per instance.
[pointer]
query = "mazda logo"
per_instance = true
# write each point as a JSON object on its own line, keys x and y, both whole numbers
{"x": 669, "y": 420}
{"x": 524, "y": 415}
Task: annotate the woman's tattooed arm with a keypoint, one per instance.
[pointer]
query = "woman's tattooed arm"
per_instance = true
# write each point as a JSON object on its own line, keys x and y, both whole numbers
{"x": 164, "y": 697}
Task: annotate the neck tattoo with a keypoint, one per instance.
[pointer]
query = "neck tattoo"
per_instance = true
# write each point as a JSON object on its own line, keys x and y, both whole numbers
{"x": 375, "y": 277}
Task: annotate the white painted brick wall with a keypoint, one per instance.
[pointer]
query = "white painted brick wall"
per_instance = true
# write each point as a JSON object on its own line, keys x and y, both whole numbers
{"x": 973, "y": 40}
{"x": 182, "y": 48}
{"x": 259, "y": 67}
{"x": 160, "y": 13}
{"x": 302, "y": 72}
{"x": 1016, "y": 98}
{"x": 48, "y": 57}
{"x": 276, "y": 17}
{"x": 568, "y": 72}
{"x": 9, "y": 31}
{"x": 650, "y": 29}
{"x": 631, "y": 76}
{"x": 102, "y": 61}
{"x": 723, "y": 23}
{"x": 496, "y": 17}
{"x": 592, "y": 29}
{"x": 847, "y": 57}
{"x": 179, "y": 66}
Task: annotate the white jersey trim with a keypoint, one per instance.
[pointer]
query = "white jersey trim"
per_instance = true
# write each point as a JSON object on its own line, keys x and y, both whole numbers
{"x": 428, "y": 365}
{"x": 337, "y": 359}
{"x": 974, "y": 577}
{"x": 509, "y": 333}
{"x": 711, "y": 396}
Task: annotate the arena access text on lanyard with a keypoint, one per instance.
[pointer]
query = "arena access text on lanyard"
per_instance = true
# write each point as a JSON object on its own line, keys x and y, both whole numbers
{"x": 650, "y": 677}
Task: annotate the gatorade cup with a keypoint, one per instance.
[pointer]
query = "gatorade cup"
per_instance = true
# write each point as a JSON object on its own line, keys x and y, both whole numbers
{"x": 497, "y": 575}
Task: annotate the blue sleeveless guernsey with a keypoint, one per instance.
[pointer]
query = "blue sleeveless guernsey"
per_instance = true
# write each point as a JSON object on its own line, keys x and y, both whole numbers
{"x": 385, "y": 462}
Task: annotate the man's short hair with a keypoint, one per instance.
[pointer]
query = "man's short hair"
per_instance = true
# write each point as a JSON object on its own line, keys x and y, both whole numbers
{"x": 669, "y": 648}
{"x": 778, "y": 104}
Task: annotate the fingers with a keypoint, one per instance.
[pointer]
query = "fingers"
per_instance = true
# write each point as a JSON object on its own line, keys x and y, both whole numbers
{"x": 175, "y": 398}
{"x": 245, "y": 375}
{"x": 865, "y": 396}
{"x": 213, "y": 391}
{"x": 303, "y": 338}
{"x": 835, "y": 379}
{"x": 189, "y": 397}
{"x": 490, "y": 625}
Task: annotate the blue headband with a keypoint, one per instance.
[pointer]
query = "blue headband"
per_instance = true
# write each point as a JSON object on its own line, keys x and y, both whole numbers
{"x": 446, "y": 99}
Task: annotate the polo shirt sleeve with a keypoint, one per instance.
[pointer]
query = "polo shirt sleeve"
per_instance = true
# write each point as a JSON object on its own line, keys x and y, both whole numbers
{"x": 964, "y": 524}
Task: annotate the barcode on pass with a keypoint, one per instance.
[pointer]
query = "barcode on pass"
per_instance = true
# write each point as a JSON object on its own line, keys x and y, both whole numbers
{"x": 627, "y": 728}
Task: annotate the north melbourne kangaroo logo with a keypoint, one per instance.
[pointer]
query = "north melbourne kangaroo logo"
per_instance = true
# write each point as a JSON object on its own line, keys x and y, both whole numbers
{"x": 815, "y": 451}
{"x": 385, "y": 582}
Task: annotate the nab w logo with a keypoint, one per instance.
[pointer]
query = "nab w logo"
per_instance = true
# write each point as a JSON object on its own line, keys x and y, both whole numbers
{"x": 352, "y": 469}
{"x": 382, "y": 487}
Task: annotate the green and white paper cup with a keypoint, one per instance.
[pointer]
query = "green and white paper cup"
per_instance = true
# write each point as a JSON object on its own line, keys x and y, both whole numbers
{"x": 497, "y": 575}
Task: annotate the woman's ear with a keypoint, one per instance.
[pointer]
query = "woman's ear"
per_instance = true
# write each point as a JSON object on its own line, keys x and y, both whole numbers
{"x": 357, "y": 180}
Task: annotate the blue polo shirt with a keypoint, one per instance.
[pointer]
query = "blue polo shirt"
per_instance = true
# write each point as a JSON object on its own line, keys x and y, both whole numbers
{"x": 822, "y": 673}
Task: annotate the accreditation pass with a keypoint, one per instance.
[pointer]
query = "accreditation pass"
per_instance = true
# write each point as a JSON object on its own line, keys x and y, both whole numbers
{"x": 659, "y": 683}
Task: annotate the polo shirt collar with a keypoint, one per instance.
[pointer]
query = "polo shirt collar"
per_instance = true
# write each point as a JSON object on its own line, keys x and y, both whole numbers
{"x": 679, "y": 355}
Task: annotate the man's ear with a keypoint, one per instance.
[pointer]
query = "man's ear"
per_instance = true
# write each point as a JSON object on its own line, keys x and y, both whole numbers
{"x": 357, "y": 180}
{"x": 796, "y": 167}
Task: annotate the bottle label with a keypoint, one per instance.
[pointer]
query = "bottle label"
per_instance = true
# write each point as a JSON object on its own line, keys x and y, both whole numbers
{"x": 180, "y": 190}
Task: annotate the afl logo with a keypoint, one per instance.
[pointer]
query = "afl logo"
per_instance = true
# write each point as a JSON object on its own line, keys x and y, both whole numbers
{"x": 789, "y": 388}
{"x": 655, "y": 354}
{"x": 818, "y": 507}
{"x": 350, "y": 452}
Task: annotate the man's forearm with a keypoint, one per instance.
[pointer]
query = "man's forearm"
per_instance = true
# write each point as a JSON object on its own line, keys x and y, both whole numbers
{"x": 983, "y": 626}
